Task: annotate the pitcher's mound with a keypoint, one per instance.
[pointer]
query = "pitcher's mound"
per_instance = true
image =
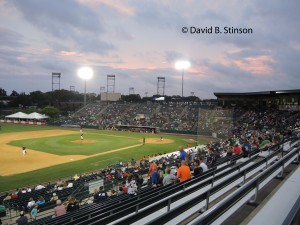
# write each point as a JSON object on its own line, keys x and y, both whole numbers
{"x": 84, "y": 141}
{"x": 157, "y": 141}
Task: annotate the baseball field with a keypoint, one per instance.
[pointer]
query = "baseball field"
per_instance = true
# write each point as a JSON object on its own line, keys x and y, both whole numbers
{"x": 55, "y": 152}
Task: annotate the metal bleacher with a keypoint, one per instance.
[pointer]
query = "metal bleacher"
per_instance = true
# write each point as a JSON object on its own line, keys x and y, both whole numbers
{"x": 119, "y": 203}
{"x": 231, "y": 181}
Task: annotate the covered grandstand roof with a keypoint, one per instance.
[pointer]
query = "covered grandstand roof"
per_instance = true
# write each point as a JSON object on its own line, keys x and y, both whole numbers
{"x": 21, "y": 115}
{"x": 219, "y": 94}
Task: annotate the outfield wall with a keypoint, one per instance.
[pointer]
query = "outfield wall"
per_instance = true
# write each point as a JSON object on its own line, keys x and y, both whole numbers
{"x": 24, "y": 122}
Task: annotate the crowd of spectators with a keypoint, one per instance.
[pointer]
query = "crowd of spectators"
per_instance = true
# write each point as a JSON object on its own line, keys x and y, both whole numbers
{"x": 88, "y": 116}
{"x": 167, "y": 116}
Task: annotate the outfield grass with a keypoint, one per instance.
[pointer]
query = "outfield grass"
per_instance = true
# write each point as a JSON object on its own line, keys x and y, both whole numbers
{"x": 64, "y": 145}
{"x": 82, "y": 166}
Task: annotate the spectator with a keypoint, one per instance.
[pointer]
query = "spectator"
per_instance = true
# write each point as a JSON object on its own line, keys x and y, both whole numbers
{"x": 183, "y": 154}
{"x": 154, "y": 177}
{"x": 120, "y": 192}
{"x": 40, "y": 201}
{"x": 125, "y": 174}
{"x": 60, "y": 209}
{"x": 39, "y": 187}
{"x": 7, "y": 197}
{"x": 160, "y": 178}
{"x": 203, "y": 165}
{"x": 170, "y": 178}
{"x": 197, "y": 170}
{"x": 245, "y": 152}
{"x": 229, "y": 151}
{"x": 247, "y": 145}
{"x": 70, "y": 185}
{"x": 113, "y": 193}
{"x": 76, "y": 177}
{"x": 183, "y": 172}
{"x": 152, "y": 167}
{"x": 237, "y": 149}
{"x": 34, "y": 212}
{"x": 14, "y": 195}
{"x": 30, "y": 204}
{"x": 131, "y": 185}
{"x": 22, "y": 220}
{"x": 124, "y": 187}
{"x": 174, "y": 170}
{"x": 2, "y": 210}
{"x": 54, "y": 197}
{"x": 101, "y": 195}
{"x": 60, "y": 188}
{"x": 59, "y": 183}
{"x": 72, "y": 204}
{"x": 95, "y": 195}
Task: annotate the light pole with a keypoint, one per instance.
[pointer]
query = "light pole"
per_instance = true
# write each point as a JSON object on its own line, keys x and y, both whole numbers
{"x": 85, "y": 73}
{"x": 182, "y": 65}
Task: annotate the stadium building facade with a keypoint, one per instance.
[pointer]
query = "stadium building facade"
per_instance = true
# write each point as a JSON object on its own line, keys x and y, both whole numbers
{"x": 283, "y": 100}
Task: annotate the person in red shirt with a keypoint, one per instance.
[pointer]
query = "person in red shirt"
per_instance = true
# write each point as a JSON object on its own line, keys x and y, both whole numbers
{"x": 124, "y": 188}
{"x": 184, "y": 172}
{"x": 237, "y": 149}
{"x": 125, "y": 175}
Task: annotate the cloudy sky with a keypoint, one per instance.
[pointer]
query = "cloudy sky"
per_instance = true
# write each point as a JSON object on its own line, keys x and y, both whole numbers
{"x": 139, "y": 40}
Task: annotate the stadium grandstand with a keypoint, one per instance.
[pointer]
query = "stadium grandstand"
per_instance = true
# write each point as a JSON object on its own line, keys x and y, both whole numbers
{"x": 249, "y": 172}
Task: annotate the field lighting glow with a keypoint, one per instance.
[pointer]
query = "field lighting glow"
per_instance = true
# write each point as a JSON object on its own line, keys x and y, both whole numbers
{"x": 85, "y": 73}
{"x": 182, "y": 65}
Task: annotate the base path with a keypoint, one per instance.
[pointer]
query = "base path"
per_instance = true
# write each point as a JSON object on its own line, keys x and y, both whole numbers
{"x": 13, "y": 162}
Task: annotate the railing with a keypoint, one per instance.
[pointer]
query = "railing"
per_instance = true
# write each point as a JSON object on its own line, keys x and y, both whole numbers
{"x": 245, "y": 189}
{"x": 112, "y": 208}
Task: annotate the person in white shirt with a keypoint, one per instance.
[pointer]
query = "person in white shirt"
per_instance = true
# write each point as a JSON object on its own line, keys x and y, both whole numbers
{"x": 203, "y": 165}
{"x": 70, "y": 185}
{"x": 39, "y": 187}
{"x": 131, "y": 186}
{"x": 30, "y": 203}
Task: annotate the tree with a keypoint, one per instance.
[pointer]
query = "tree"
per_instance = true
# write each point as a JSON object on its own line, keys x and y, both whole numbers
{"x": 51, "y": 111}
{"x": 2, "y": 92}
{"x": 14, "y": 93}
{"x": 22, "y": 100}
{"x": 38, "y": 98}
{"x": 131, "y": 98}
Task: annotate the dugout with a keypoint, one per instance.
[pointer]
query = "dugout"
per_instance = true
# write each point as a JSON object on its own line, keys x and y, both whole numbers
{"x": 141, "y": 129}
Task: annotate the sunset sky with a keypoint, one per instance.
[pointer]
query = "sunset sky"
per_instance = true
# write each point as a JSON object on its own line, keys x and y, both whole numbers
{"x": 139, "y": 40}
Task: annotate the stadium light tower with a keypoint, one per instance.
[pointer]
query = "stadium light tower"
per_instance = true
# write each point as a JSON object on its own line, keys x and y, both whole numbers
{"x": 85, "y": 73}
{"x": 182, "y": 65}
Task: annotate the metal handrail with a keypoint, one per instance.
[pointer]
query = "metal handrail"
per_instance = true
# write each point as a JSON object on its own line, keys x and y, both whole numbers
{"x": 243, "y": 191}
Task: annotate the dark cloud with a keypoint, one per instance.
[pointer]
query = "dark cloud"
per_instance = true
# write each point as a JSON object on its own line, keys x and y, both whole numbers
{"x": 172, "y": 56}
{"x": 155, "y": 14}
{"x": 11, "y": 38}
{"x": 67, "y": 21}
